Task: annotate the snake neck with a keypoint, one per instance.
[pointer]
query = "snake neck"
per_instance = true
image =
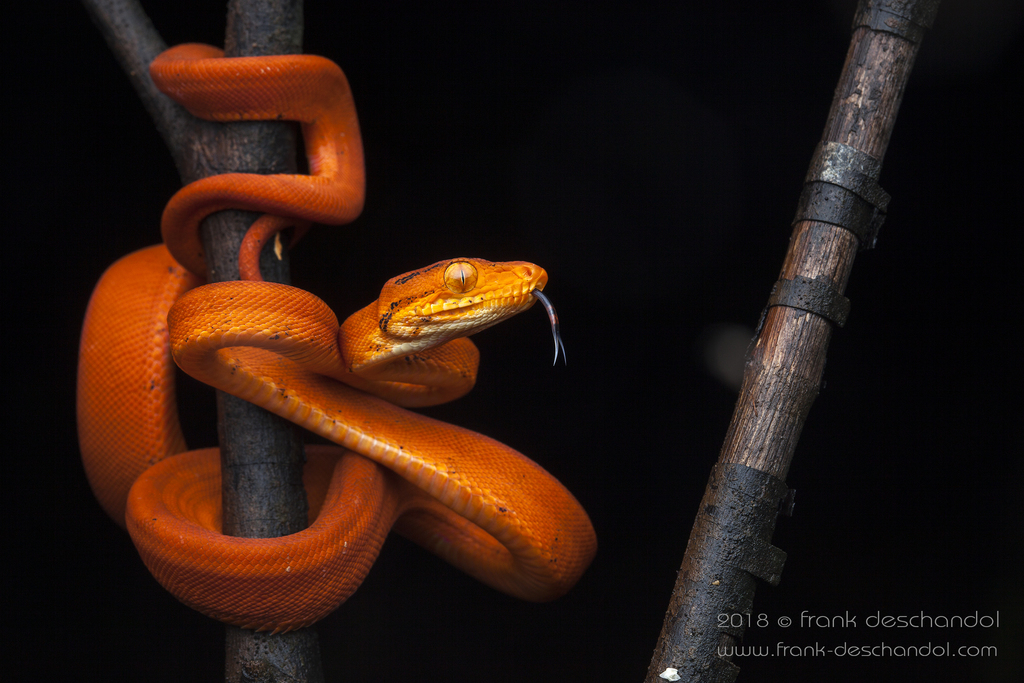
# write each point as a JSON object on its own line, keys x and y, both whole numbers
{"x": 363, "y": 346}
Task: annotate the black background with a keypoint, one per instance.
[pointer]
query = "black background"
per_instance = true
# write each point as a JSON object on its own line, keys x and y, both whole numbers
{"x": 649, "y": 156}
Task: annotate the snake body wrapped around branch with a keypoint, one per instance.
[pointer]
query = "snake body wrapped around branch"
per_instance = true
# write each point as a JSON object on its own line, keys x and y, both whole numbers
{"x": 477, "y": 503}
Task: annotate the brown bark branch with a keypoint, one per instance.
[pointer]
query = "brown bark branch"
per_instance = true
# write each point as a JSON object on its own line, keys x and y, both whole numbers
{"x": 261, "y": 454}
{"x": 134, "y": 41}
{"x": 730, "y": 541}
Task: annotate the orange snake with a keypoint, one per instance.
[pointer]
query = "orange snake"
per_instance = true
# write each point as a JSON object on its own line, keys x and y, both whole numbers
{"x": 475, "y": 502}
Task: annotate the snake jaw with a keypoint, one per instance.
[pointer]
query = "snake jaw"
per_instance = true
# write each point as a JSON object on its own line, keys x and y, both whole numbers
{"x": 446, "y": 319}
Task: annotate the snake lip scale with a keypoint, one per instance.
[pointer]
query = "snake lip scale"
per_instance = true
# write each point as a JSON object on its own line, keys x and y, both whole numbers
{"x": 477, "y": 503}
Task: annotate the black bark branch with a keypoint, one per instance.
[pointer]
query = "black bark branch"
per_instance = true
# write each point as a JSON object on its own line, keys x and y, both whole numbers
{"x": 729, "y": 545}
{"x": 261, "y": 454}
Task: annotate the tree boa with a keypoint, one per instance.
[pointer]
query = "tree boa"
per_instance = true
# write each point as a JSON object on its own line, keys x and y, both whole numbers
{"x": 477, "y": 503}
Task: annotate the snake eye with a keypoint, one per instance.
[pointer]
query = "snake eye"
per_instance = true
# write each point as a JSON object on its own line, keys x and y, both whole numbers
{"x": 460, "y": 277}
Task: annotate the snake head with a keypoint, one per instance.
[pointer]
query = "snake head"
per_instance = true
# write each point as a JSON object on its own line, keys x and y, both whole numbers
{"x": 455, "y": 298}
{"x": 433, "y": 305}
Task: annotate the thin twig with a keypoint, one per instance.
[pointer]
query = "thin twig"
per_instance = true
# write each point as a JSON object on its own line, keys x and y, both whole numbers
{"x": 134, "y": 41}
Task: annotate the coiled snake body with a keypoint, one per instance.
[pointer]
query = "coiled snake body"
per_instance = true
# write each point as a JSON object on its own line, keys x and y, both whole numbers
{"x": 475, "y": 502}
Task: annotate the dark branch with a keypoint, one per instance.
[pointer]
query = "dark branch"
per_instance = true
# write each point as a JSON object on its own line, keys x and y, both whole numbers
{"x": 259, "y": 451}
{"x": 730, "y": 542}
{"x": 135, "y": 42}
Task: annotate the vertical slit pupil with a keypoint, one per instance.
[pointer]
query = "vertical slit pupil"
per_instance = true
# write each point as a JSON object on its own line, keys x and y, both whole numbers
{"x": 460, "y": 277}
